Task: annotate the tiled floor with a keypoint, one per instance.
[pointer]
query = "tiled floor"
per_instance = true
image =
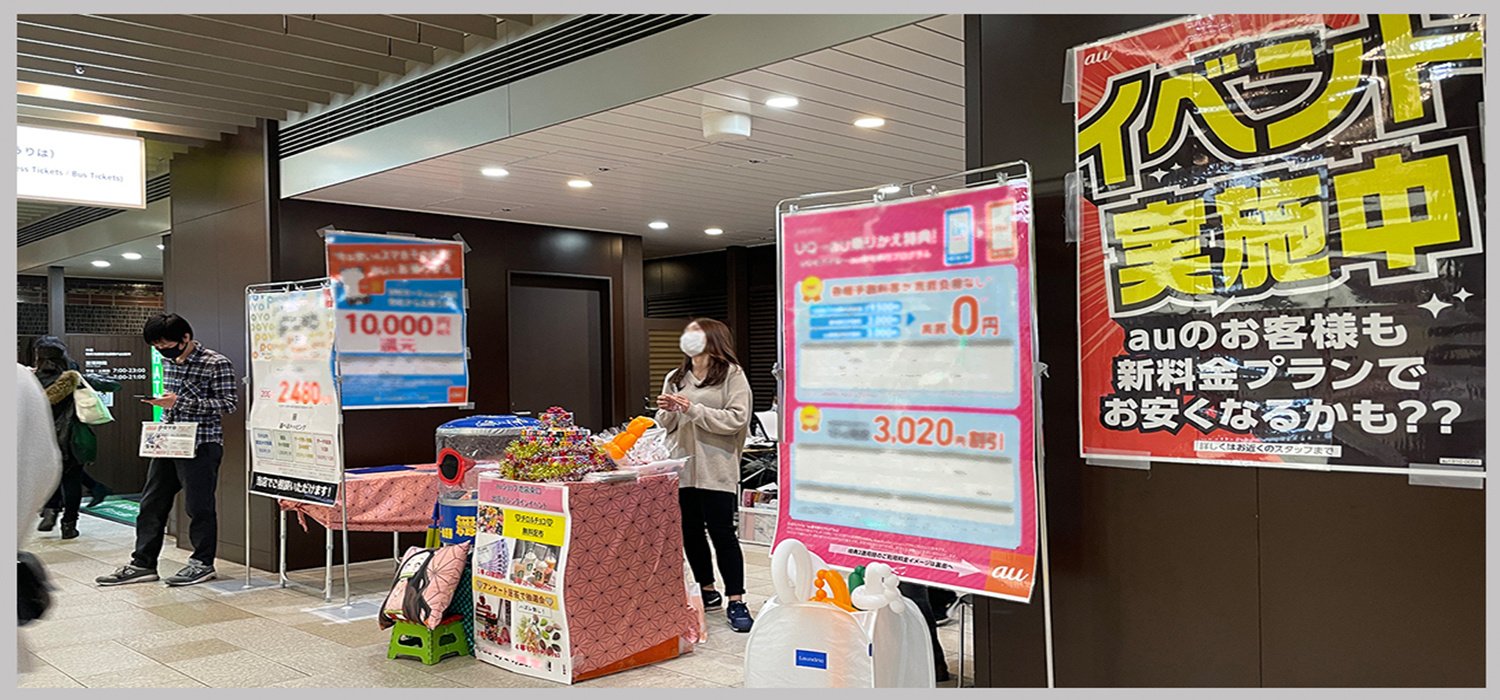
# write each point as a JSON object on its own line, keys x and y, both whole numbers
{"x": 218, "y": 635}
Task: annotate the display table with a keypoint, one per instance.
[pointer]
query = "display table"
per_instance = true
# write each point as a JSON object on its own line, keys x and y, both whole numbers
{"x": 392, "y": 499}
{"x": 579, "y": 580}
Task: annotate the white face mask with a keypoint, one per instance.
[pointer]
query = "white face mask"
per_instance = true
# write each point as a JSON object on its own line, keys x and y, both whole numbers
{"x": 693, "y": 343}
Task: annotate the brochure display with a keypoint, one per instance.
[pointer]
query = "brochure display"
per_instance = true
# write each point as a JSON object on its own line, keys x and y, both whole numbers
{"x": 1281, "y": 250}
{"x": 402, "y": 317}
{"x": 578, "y": 580}
{"x": 909, "y": 425}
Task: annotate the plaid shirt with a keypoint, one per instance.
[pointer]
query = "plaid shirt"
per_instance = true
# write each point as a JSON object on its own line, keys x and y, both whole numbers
{"x": 206, "y": 389}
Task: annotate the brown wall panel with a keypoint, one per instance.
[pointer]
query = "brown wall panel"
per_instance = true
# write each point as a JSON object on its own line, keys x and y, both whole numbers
{"x": 1367, "y": 580}
{"x": 1192, "y": 574}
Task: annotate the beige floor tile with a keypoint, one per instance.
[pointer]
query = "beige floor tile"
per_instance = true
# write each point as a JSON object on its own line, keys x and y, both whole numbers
{"x": 90, "y": 659}
{"x": 649, "y": 677}
{"x": 724, "y": 640}
{"x": 259, "y": 634}
{"x": 320, "y": 656}
{"x": 723, "y": 669}
{"x": 49, "y": 634}
{"x": 76, "y": 605}
{"x": 353, "y": 634}
{"x": 473, "y": 673}
{"x": 183, "y": 651}
{"x": 240, "y": 669}
{"x": 157, "y": 676}
{"x": 199, "y": 612}
{"x": 146, "y": 643}
{"x": 368, "y": 679}
{"x": 42, "y": 675}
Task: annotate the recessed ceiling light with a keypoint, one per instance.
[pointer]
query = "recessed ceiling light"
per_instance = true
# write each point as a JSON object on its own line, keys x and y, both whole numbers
{"x": 580, "y": 184}
{"x": 869, "y": 122}
{"x": 117, "y": 122}
{"x": 782, "y": 102}
{"x": 890, "y": 189}
{"x": 101, "y": 263}
{"x": 161, "y": 246}
{"x": 131, "y": 256}
{"x": 494, "y": 172}
{"x": 658, "y": 225}
{"x": 713, "y": 231}
{"x": 54, "y": 92}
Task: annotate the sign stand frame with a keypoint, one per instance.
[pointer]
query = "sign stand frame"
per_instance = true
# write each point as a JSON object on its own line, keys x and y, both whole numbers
{"x": 282, "y": 580}
{"x": 929, "y": 187}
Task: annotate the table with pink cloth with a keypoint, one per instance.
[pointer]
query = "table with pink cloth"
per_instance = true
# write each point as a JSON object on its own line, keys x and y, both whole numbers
{"x": 387, "y": 501}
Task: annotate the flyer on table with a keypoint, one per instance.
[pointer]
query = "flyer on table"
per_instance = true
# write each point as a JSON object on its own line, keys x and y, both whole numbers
{"x": 909, "y": 430}
{"x": 294, "y": 406}
{"x": 520, "y": 560}
{"x": 401, "y": 320}
{"x": 1281, "y": 254}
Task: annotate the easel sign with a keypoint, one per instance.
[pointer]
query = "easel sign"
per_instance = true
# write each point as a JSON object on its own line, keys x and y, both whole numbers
{"x": 169, "y": 440}
{"x": 910, "y": 431}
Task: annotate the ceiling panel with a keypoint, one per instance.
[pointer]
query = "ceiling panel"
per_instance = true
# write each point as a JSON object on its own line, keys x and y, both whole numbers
{"x": 148, "y": 267}
{"x": 223, "y": 71}
{"x": 650, "y": 160}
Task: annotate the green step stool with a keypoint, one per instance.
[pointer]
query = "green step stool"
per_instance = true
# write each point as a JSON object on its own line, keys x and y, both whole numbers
{"x": 415, "y": 641}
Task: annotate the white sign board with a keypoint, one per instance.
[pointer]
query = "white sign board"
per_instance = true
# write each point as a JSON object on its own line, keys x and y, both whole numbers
{"x": 294, "y": 404}
{"x": 80, "y": 167}
{"x": 169, "y": 440}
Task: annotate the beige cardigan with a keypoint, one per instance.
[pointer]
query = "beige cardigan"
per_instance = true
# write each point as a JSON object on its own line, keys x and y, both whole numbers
{"x": 711, "y": 432}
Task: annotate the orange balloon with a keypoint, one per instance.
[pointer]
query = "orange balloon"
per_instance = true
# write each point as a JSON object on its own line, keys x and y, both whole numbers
{"x": 626, "y": 440}
{"x": 615, "y": 453}
{"x": 640, "y": 425}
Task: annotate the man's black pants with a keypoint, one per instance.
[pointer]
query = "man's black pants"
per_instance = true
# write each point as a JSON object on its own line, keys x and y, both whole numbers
{"x": 198, "y": 479}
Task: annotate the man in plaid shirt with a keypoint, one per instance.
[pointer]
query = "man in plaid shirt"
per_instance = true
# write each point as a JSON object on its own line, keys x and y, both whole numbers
{"x": 201, "y": 388}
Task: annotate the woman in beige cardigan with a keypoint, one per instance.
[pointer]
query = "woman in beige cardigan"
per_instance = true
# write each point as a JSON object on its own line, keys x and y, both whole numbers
{"x": 705, "y": 408}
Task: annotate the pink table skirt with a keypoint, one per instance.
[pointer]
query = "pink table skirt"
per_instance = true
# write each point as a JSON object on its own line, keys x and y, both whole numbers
{"x": 400, "y": 501}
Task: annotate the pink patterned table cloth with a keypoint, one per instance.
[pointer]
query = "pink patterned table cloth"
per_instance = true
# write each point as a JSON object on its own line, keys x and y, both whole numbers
{"x": 397, "y": 501}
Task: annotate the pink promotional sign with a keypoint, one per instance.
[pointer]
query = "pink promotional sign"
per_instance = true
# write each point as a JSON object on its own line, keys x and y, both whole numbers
{"x": 909, "y": 417}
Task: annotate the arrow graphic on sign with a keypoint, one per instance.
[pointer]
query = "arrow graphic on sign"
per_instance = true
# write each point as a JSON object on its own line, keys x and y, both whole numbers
{"x": 962, "y": 567}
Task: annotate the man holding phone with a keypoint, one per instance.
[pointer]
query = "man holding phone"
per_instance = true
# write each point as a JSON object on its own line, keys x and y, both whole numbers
{"x": 200, "y": 388}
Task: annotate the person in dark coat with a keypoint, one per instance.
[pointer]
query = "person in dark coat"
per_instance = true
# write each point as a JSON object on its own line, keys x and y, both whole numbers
{"x": 60, "y": 375}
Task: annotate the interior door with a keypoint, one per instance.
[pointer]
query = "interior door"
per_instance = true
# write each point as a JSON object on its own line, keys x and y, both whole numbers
{"x": 560, "y": 351}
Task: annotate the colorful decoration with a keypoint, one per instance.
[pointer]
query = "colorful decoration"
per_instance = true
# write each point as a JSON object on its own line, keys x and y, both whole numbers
{"x": 832, "y": 590}
{"x": 558, "y": 451}
{"x": 620, "y": 446}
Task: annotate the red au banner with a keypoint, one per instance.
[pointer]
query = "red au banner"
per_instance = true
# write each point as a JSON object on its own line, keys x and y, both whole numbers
{"x": 1281, "y": 242}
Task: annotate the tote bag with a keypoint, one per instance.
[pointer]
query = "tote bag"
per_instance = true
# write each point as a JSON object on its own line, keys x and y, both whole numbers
{"x": 89, "y": 406}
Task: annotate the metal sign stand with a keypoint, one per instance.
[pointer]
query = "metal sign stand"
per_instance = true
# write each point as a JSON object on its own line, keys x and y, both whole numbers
{"x": 282, "y": 580}
{"x": 993, "y": 174}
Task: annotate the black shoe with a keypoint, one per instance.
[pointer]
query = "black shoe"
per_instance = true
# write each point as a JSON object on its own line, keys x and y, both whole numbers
{"x": 942, "y": 675}
{"x": 70, "y": 530}
{"x": 739, "y": 616}
{"x": 49, "y": 520}
{"x": 712, "y": 601}
{"x": 195, "y": 572}
{"x": 129, "y": 573}
{"x": 98, "y": 494}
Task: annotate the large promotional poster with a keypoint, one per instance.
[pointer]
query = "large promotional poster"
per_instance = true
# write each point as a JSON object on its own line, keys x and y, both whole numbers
{"x": 401, "y": 320}
{"x": 1281, "y": 250}
{"x": 908, "y": 425}
{"x": 520, "y": 560}
{"x": 294, "y": 404}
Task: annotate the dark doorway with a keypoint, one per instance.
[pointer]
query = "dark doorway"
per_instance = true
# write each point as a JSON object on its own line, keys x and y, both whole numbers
{"x": 560, "y": 346}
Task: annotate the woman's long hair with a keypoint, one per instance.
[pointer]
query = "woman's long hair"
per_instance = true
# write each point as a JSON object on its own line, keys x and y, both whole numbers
{"x": 720, "y": 351}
